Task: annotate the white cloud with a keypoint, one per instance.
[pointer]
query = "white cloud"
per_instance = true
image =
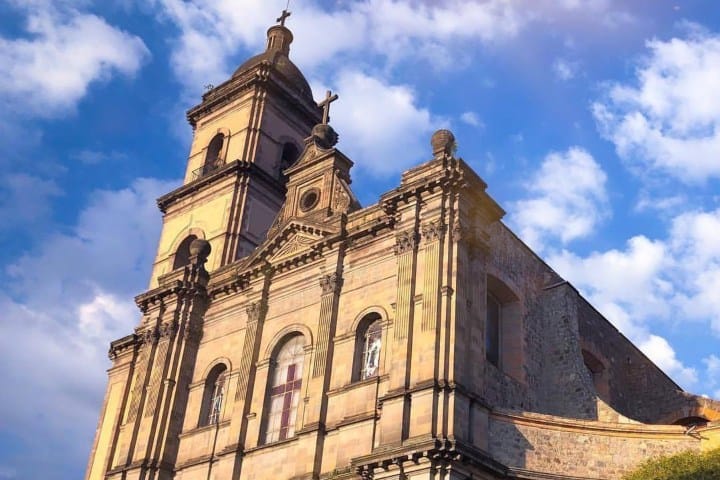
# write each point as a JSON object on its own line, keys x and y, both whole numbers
{"x": 69, "y": 298}
{"x": 211, "y": 33}
{"x": 71, "y": 265}
{"x": 445, "y": 33}
{"x": 565, "y": 70}
{"x": 654, "y": 281}
{"x": 697, "y": 263}
{"x": 646, "y": 201}
{"x": 629, "y": 288}
{"x": 662, "y": 279}
{"x": 32, "y": 193}
{"x": 629, "y": 303}
{"x": 50, "y": 390}
{"x": 380, "y": 125}
{"x": 713, "y": 367}
{"x": 712, "y": 374}
{"x": 94, "y": 157}
{"x": 663, "y": 355}
{"x": 472, "y": 119}
{"x": 666, "y": 120}
{"x": 566, "y": 199}
{"x": 50, "y": 70}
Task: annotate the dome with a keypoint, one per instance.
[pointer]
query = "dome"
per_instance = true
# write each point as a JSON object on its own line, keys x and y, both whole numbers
{"x": 283, "y": 65}
{"x": 276, "y": 54}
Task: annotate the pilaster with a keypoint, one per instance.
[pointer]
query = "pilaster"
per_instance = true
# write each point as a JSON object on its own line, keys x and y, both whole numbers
{"x": 317, "y": 403}
{"x": 395, "y": 420}
{"x": 169, "y": 339}
{"x": 256, "y": 311}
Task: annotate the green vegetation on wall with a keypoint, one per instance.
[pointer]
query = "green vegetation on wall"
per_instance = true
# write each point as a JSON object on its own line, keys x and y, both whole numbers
{"x": 682, "y": 466}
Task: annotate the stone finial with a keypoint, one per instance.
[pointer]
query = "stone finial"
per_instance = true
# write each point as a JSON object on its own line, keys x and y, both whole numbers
{"x": 324, "y": 136}
{"x": 443, "y": 142}
{"x": 200, "y": 250}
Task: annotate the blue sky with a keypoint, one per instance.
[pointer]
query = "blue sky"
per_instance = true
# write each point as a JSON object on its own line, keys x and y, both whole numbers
{"x": 596, "y": 124}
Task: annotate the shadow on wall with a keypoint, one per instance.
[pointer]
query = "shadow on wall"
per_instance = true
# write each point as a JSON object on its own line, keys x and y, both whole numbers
{"x": 555, "y": 446}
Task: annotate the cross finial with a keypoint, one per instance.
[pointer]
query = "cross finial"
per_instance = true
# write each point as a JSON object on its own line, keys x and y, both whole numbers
{"x": 325, "y": 104}
{"x": 283, "y": 16}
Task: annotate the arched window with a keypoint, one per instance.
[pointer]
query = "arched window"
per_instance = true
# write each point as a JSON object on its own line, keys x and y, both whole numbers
{"x": 367, "y": 347}
{"x": 289, "y": 155}
{"x": 284, "y": 390}
{"x": 182, "y": 255}
{"x": 503, "y": 329}
{"x": 213, "y": 395}
{"x": 492, "y": 330}
{"x": 213, "y": 156}
{"x": 596, "y": 369}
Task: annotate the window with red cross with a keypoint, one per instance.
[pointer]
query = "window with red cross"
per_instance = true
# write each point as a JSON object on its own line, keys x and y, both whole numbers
{"x": 284, "y": 390}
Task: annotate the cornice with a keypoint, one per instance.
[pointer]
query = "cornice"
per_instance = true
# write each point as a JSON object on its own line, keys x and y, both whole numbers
{"x": 371, "y": 221}
{"x": 432, "y": 451}
{"x": 178, "y": 288}
{"x": 238, "y": 167}
{"x": 447, "y": 174}
{"x": 265, "y": 76}
{"x": 550, "y": 422}
{"x": 121, "y": 346}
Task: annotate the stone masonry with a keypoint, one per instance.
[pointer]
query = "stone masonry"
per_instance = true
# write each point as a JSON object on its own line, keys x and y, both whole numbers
{"x": 290, "y": 333}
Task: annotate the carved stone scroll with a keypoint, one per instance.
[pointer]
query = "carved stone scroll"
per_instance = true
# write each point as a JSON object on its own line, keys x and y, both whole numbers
{"x": 434, "y": 230}
{"x": 330, "y": 283}
{"x": 406, "y": 241}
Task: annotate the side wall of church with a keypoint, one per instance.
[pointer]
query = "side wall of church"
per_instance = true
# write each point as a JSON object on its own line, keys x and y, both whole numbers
{"x": 582, "y": 449}
{"x": 559, "y": 329}
{"x": 637, "y": 388}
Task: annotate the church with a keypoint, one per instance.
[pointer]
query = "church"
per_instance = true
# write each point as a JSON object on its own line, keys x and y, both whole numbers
{"x": 289, "y": 332}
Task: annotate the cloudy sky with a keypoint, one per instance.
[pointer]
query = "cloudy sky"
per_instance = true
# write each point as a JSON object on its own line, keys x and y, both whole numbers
{"x": 596, "y": 125}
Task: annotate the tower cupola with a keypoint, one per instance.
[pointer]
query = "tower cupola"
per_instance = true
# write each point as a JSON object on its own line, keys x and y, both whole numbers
{"x": 277, "y": 56}
{"x": 279, "y": 38}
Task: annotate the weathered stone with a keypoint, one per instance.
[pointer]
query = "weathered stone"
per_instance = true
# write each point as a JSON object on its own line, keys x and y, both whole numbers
{"x": 483, "y": 362}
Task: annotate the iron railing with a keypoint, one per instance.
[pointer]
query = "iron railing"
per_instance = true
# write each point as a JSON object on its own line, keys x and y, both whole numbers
{"x": 209, "y": 167}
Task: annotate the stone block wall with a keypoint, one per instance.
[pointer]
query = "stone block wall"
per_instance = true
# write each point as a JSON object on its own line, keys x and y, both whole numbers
{"x": 637, "y": 387}
{"x": 583, "y": 449}
{"x": 566, "y": 388}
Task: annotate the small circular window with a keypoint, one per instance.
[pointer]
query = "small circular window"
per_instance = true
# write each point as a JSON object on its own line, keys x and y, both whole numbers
{"x": 309, "y": 199}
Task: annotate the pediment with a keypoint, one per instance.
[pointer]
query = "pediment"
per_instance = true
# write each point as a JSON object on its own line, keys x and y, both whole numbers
{"x": 294, "y": 245}
{"x": 294, "y": 239}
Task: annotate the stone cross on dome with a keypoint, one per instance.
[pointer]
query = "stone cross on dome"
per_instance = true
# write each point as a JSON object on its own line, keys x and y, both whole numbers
{"x": 283, "y": 16}
{"x": 323, "y": 134}
{"x": 325, "y": 104}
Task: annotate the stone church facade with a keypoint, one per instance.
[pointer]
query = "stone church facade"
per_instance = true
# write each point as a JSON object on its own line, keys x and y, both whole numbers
{"x": 290, "y": 333}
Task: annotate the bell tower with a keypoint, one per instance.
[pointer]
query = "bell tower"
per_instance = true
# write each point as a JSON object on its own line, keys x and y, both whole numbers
{"x": 246, "y": 132}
